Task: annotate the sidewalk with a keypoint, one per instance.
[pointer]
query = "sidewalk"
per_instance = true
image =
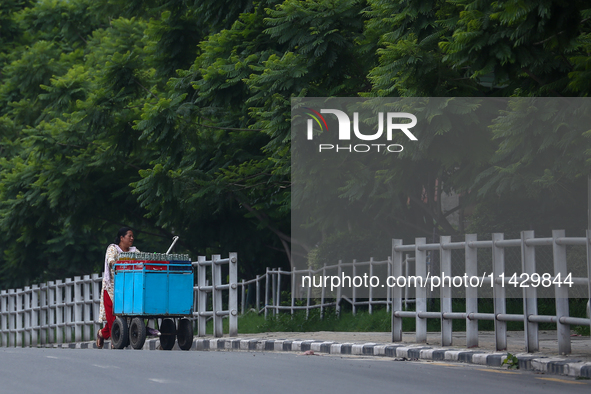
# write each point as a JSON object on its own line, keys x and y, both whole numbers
{"x": 547, "y": 360}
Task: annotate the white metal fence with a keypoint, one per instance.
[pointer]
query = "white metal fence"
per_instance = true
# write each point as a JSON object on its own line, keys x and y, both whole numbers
{"x": 67, "y": 310}
{"x": 268, "y": 288}
{"x": 558, "y": 255}
{"x": 526, "y": 245}
{"x": 214, "y": 269}
{"x": 53, "y": 312}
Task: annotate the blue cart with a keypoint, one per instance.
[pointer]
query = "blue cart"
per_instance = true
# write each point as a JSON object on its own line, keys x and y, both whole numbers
{"x": 147, "y": 289}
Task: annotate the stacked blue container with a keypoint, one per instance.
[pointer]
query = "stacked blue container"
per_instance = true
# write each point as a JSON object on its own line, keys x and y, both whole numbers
{"x": 148, "y": 285}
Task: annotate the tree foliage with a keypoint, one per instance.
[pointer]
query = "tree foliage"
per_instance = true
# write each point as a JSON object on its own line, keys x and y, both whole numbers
{"x": 173, "y": 117}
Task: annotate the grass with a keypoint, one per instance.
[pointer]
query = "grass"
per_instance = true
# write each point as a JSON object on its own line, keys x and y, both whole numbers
{"x": 251, "y": 323}
{"x": 378, "y": 321}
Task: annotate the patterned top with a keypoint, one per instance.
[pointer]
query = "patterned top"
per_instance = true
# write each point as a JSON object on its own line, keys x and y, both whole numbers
{"x": 111, "y": 257}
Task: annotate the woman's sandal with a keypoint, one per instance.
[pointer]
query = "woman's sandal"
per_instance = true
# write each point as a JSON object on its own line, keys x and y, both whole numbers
{"x": 100, "y": 341}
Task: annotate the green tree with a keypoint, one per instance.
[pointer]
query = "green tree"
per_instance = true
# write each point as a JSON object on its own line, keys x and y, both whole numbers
{"x": 174, "y": 117}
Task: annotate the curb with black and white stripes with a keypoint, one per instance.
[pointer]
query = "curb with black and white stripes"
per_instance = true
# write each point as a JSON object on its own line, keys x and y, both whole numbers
{"x": 544, "y": 364}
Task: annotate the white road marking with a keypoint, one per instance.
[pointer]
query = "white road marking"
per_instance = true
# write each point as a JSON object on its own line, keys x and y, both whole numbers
{"x": 163, "y": 381}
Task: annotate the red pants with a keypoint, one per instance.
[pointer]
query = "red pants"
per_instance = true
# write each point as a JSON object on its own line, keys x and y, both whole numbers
{"x": 106, "y": 331}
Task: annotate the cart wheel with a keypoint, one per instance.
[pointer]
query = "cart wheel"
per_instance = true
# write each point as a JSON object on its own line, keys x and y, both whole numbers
{"x": 184, "y": 335}
{"x": 119, "y": 333}
{"x": 167, "y": 334}
{"x": 137, "y": 333}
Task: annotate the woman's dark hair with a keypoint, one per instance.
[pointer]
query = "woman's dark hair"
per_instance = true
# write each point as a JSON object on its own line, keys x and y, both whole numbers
{"x": 122, "y": 233}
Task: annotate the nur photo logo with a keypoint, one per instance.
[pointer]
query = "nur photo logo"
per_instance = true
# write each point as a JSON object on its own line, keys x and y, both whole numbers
{"x": 392, "y": 125}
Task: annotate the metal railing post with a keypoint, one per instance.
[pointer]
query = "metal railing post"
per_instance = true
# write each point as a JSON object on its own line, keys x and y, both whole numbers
{"x": 69, "y": 316}
{"x": 59, "y": 312}
{"x": 293, "y": 288}
{"x": 201, "y": 299}
{"x": 388, "y": 292}
{"x": 96, "y": 302}
{"x": 396, "y": 292}
{"x": 309, "y": 294}
{"x": 242, "y": 297}
{"x": 407, "y": 292}
{"x": 4, "y": 317}
{"x": 216, "y": 270}
{"x": 43, "y": 314}
{"x": 471, "y": 269}
{"x": 52, "y": 310}
{"x": 322, "y": 293}
{"x": 87, "y": 299}
{"x": 11, "y": 318}
{"x": 370, "y": 307}
{"x": 354, "y": 292}
{"x": 500, "y": 305}
{"x": 421, "y": 291}
{"x": 77, "y": 309}
{"x": 27, "y": 316}
{"x": 278, "y": 303}
{"x": 35, "y": 315}
{"x": 561, "y": 293}
{"x": 339, "y": 289}
{"x": 266, "y": 291}
{"x": 233, "y": 296}
{"x": 274, "y": 290}
{"x": 258, "y": 295}
{"x": 445, "y": 295}
{"x": 19, "y": 317}
{"x": 530, "y": 299}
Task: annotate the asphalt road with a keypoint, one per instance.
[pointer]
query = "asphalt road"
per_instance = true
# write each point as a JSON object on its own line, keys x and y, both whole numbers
{"x": 48, "y": 371}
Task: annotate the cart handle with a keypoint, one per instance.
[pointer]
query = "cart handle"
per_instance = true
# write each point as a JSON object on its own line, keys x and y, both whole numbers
{"x": 174, "y": 239}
